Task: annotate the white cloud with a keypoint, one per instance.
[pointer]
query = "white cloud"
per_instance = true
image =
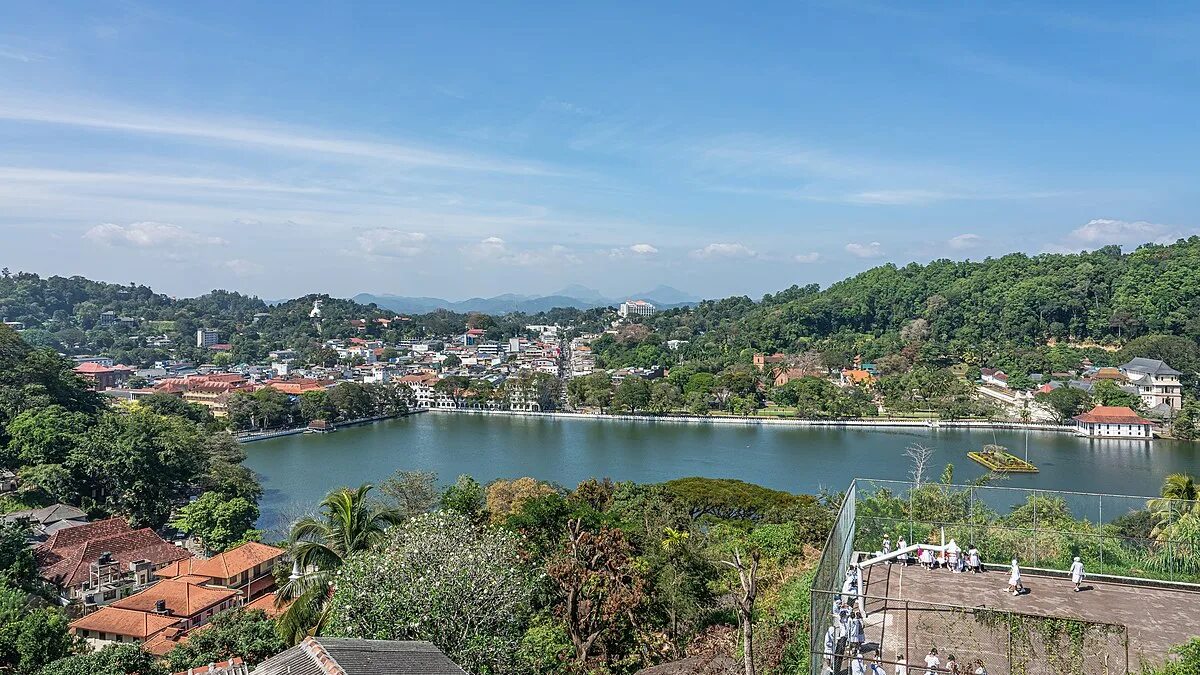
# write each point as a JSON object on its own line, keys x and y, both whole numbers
{"x": 963, "y": 242}
{"x": 643, "y": 249}
{"x": 1105, "y": 231}
{"x": 495, "y": 249}
{"x": 243, "y": 268}
{"x": 264, "y": 135}
{"x": 149, "y": 235}
{"x": 392, "y": 243}
{"x": 871, "y": 250}
{"x": 1109, "y": 231}
{"x": 804, "y": 258}
{"x": 723, "y": 250}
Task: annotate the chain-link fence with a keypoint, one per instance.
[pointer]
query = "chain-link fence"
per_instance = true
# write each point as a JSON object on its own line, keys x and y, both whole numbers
{"x": 908, "y": 631}
{"x": 1123, "y": 536}
{"x": 835, "y": 559}
{"x": 1138, "y": 537}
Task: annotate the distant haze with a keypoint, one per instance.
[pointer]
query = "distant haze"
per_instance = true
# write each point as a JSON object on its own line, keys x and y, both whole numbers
{"x": 574, "y": 295}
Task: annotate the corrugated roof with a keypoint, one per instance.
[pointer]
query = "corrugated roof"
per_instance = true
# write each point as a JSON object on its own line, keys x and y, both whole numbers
{"x": 325, "y": 656}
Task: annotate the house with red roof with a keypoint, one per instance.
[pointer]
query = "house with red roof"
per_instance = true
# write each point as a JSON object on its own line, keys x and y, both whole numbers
{"x": 97, "y": 563}
{"x": 1113, "y": 421}
{"x": 188, "y": 594}
{"x": 103, "y": 377}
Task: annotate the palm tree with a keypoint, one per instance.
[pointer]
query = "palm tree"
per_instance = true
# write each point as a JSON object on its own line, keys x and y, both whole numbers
{"x": 1179, "y": 497}
{"x": 348, "y": 523}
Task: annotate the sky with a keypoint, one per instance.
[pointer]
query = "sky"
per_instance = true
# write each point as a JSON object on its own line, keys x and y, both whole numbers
{"x": 463, "y": 149}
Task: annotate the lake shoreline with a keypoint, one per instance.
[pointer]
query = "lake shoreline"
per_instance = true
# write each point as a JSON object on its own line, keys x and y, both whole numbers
{"x": 864, "y": 423}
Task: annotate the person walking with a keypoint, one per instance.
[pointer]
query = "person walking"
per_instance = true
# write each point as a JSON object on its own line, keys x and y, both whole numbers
{"x": 1014, "y": 578}
{"x": 1077, "y": 573}
{"x": 900, "y": 546}
{"x": 857, "y": 665}
{"x": 830, "y": 646}
{"x": 887, "y": 546}
{"x": 973, "y": 559}
{"x": 901, "y": 665}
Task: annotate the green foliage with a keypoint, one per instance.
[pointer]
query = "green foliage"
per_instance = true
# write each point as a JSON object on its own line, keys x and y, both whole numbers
{"x": 632, "y": 394}
{"x": 726, "y": 498}
{"x": 247, "y": 634}
{"x": 141, "y": 462}
{"x": 439, "y": 577}
{"x": 35, "y": 639}
{"x": 124, "y": 659}
{"x": 220, "y": 523}
{"x": 1064, "y": 402}
{"x": 465, "y": 496}
{"x": 17, "y": 566}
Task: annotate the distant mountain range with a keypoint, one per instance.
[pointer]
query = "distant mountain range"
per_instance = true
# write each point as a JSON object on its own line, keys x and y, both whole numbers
{"x": 575, "y": 295}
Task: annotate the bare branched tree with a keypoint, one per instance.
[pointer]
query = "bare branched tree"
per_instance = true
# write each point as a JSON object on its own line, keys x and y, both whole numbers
{"x": 748, "y": 577}
{"x": 920, "y": 456}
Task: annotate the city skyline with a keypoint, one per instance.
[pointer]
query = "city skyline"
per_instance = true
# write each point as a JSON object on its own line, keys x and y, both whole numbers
{"x": 474, "y": 150}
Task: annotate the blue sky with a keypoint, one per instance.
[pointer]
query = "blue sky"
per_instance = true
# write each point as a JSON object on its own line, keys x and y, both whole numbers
{"x": 459, "y": 149}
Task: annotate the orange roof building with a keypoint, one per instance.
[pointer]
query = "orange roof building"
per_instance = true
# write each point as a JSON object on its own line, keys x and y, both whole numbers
{"x": 183, "y": 599}
{"x": 1105, "y": 421}
{"x": 247, "y": 568}
{"x": 111, "y": 624}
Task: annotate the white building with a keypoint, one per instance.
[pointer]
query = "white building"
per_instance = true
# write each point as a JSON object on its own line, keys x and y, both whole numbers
{"x": 1157, "y": 383}
{"x": 1113, "y": 422}
{"x": 635, "y": 308}
{"x": 207, "y": 337}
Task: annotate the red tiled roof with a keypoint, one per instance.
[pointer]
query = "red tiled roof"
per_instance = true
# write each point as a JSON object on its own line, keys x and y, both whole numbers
{"x": 138, "y": 625}
{"x": 267, "y": 604}
{"x": 66, "y": 557}
{"x": 178, "y": 568}
{"x": 162, "y": 643}
{"x": 182, "y": 598}
{"x": 1111, "y": 414}
{"x": 219, "y": 666}
{"x": 241, "y": 559}
{"x": 91, "y": 368}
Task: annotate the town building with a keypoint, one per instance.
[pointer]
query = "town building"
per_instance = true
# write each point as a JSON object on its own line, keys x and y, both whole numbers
{"x": 103, "y": 377}
{"x": 99, "y": 562}
{"x": 635, "y": 308}
{"x": 1157, "y": 383}
{"x": 207, "y": 337}
{"x": 1113, "y": 422}
{"x": 47, "y": 520}
{"x": 765, "y": 361}
{"x": 994, "y": 377}
{"x": 342, "y": 656}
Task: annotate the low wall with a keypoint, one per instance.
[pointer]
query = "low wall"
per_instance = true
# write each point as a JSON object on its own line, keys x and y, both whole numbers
{"x": 866, "y": 423}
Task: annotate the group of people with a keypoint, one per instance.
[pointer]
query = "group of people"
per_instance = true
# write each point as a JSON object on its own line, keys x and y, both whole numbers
{"x": 933, "y": 665}
{"x": 952, "y": 557}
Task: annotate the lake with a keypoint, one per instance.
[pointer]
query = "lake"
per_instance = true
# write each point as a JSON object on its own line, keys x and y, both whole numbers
{"x": 298, "y": 470}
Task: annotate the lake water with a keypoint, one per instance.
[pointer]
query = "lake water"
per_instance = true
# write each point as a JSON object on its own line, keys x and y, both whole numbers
{"x": 298, "y": 470}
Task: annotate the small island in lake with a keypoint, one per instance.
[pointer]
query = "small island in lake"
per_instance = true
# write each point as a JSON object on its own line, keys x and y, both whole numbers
{"x": 998, "y": 459}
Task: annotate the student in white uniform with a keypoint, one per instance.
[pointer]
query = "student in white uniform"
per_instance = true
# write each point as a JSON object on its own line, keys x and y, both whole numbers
{"x": 979, "y": 669}
{"x": 1014, "y": 578}
{"x": 973, "y": 559}
{"x": 932, "y": 662}
{"x": 856, "y": 632}
{"x": 830, "y": 646}
{"x": 901, "y": 665}
{"x": 887, "y": 544}
{"x": 901, "y": 545}
{"x": 1077, "y": 573}
{"x": 857, "y": 665}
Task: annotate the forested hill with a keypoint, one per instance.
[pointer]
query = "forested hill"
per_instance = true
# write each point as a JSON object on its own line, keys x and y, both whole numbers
{"x": 973, "y": 309}
{"x": 999, "y": 311}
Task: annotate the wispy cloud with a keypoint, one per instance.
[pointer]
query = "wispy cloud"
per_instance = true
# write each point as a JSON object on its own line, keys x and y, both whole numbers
{"x": 140, "y": 180}
{"x": 806, "y": 258}
{"x": 1107, "y": 231}
{"x": 726, "y": 250}
{"x": 963, "y": 242}
{"x": 18, "y": 54}
{"x": 868, "y": 250}
{"x": 149, "y": 235}
{"x": 242, "y": 267}
{"x": 272, "y": 136}
{"x": 784, "y": 168}
{"x": 392, "y": 243}
{"x": 497, "y": 250}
